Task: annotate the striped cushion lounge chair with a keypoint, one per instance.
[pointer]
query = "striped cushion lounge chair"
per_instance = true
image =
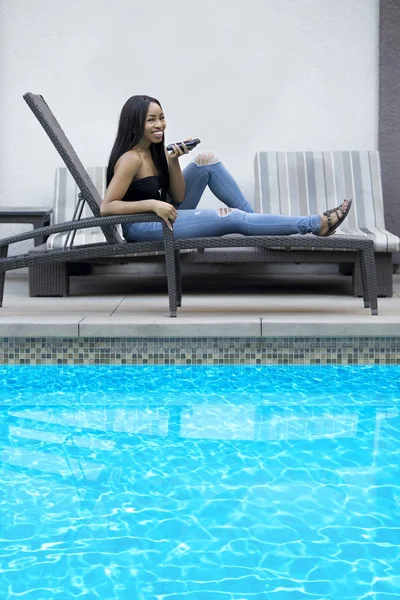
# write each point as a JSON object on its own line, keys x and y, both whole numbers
{"x": 292, "y": 183}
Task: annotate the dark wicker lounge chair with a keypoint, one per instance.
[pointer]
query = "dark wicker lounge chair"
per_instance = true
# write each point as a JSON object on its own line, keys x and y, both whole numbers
{"x": 239, "y": 249}
{"x": 229, "y": 248}
{"x": 55, "y": 262}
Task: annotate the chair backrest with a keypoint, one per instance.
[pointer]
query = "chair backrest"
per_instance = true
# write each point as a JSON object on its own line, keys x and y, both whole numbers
{"x": 60, "y": 141}
{"x": 302, "y": 183}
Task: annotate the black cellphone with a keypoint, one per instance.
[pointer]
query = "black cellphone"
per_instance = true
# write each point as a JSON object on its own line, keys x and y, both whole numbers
{"x": 189, "y": 144}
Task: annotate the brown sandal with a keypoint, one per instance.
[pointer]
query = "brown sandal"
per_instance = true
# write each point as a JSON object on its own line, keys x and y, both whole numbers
{"x": 333, "y": 226}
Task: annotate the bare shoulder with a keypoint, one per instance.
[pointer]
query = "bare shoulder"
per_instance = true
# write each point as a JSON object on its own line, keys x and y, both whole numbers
{"x": 129, "y": 163}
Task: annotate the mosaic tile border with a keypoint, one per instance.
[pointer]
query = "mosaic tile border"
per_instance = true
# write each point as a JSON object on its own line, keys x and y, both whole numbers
{"x": 197, "y": 351}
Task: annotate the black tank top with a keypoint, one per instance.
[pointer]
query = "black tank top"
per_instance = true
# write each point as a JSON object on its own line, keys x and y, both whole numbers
{"x": 147, "y": 188}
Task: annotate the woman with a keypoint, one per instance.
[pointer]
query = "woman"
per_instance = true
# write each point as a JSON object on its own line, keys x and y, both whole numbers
{"x": 143, "y": 177}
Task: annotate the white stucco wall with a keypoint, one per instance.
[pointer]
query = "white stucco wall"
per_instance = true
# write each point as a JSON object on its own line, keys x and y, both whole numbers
{"x": 242, "y": 76}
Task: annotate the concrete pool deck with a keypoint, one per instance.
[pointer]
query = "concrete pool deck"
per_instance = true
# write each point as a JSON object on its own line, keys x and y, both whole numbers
{"x": 126, "y": 305}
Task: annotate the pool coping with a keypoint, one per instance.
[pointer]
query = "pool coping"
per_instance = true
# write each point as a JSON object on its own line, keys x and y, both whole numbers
{"x": 333, "y": 325}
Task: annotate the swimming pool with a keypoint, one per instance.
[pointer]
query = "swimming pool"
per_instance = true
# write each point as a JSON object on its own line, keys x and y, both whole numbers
{"x": 200, "y": 483}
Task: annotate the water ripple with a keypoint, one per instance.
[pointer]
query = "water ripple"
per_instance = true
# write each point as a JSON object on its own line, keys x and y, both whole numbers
{"x": 202, "y": 484}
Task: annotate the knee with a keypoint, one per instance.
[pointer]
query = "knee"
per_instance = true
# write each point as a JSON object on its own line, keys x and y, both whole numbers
{"x": 206, "y": 158}
{"x": 224, "y": 212}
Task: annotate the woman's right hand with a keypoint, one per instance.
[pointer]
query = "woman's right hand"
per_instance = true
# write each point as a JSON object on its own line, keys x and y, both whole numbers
{"x": 166, "y": 211}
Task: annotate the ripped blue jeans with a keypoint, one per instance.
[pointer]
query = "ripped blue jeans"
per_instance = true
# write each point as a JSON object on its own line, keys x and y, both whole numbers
{"x": 239, "y": 217}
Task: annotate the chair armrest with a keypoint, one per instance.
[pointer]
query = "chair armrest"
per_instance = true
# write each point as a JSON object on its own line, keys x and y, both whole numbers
{"x": 83, "y": 224}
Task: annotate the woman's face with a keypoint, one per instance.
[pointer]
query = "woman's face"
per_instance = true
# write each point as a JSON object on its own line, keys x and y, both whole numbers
{"x": 154, "y": 124}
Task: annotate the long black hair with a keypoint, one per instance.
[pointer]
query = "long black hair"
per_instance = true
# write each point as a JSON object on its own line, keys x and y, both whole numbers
{"x": 129, "y": 134}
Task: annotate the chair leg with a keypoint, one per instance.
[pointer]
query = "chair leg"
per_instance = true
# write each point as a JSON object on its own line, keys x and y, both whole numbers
{"x": 178, "y": 278}
{"x": 3, "y": 254}
{"x": 384, "y": 274}
{"x": 364, "y": 279}
{"x": 170, "y": 268}
{"x": 2, "y": 279}
{"x": 50, "y": 279}
{"x": 368, "y": 274}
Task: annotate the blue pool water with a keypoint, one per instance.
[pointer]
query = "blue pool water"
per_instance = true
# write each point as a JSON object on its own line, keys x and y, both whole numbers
{"x": 200, "y": 483}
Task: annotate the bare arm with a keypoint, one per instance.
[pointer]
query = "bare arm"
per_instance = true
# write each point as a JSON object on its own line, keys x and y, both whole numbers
{"x": 125, "y": 170}
{"x": 176, "y": 181}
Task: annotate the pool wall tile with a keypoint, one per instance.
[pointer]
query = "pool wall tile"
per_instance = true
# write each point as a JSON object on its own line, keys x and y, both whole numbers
{"x": 200, "y": 350}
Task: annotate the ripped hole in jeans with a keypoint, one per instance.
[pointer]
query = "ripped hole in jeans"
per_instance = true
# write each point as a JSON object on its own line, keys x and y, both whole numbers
{"x": 206, "y": 158}
{"x": 224, "y": 212}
